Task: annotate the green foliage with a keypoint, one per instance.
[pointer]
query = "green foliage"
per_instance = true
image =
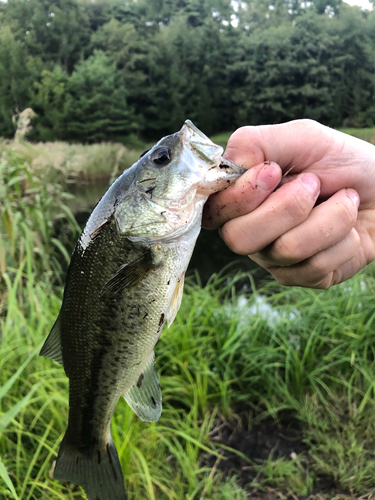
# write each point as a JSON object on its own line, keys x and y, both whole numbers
{"x": 286, "y": 354}
{"x": 95, "y": 106}
{"x": 17, "y": 72}
{"x": 296, "y": 354}
{"x": 57, "y": 31}
{"x": 31, "y": 204}
{"x": 49, "y": 102}
{"x": 318, "y": 69}
{"x": 223, "y": 64}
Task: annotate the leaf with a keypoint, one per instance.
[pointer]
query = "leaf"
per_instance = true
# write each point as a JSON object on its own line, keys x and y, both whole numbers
{"x": 7, "y": 417}
{"x": 62, "y": 249}
{"x": 6, "y": 387}
{"x": 5, "y": 477}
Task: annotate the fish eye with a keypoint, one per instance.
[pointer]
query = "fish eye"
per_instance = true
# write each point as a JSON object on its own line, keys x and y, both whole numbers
{"x": 161, "y": 156}
{"x": 144, "y": 152}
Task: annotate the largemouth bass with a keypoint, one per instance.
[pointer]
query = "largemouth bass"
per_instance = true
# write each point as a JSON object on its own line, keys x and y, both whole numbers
{"x": 125, "y": 280}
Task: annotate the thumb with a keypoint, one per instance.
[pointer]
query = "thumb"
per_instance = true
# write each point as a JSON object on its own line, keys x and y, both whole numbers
{"x": 298, "y": 143}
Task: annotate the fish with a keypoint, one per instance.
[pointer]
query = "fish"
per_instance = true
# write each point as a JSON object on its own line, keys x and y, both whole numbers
{"x": 124, "y": 282}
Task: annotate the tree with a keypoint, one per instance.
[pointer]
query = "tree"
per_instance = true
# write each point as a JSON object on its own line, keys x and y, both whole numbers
{"x": 48, "y": 101}
{"x": 95, "y": 107}
{"x": 17, "y": 72}
{"x": 57, "y": 31}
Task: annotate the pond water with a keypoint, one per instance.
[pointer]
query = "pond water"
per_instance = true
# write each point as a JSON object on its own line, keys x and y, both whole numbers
{"x": 210, "y": 255}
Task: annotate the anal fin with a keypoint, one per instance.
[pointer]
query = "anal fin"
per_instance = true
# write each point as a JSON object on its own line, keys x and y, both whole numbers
{"x": 144, "y": 398}
{"x": 52, "y": 346}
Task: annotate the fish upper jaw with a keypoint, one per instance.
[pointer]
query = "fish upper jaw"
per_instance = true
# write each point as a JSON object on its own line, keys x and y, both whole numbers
{"x": 200, "y": 144}
{"x": 216, "y": 173}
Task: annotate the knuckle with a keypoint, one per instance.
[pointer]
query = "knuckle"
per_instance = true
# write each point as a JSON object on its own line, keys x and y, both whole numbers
{"x": 324, "y": 283}
{"x": 355, "y": 239}
{"x": 318, "y": 268}
{"x": 284, "y": 279}
{"x": 236, "y": 242}
{"x": 286, "y": 252}
{"x": 346, "y": 212}
{"x": 307, "y": 123}
{"x": 297, "y": 208}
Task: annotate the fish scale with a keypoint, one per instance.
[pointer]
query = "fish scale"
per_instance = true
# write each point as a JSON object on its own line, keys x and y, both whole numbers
{"x": 119, "y": 330}
{"x": 125, "y": 280}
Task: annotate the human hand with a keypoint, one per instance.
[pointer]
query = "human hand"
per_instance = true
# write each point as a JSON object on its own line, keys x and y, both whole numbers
{"x": 318, "y": 228}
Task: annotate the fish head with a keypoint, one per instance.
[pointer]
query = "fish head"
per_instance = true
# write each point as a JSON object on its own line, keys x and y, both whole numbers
{"x": 183, "y": 164}
{"x": 171, "y": 182}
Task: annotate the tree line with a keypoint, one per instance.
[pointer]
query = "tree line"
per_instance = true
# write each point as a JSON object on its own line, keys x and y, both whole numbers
{"x": 98, "y": 70}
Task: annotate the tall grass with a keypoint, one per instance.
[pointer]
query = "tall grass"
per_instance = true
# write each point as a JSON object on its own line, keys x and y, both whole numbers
{"x": 31, "y": 205}
{"x": 299, "y": 357}
{"x": 62, "y": 162}
{"x": 293, "y": 354}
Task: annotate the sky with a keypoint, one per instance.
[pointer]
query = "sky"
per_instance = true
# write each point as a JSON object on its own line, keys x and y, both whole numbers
{"x": 365, "y": 4}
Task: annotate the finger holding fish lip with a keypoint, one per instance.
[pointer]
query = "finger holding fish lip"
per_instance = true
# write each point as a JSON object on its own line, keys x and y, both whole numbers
{"x": 284, "y": 209}
{"x": 249, "y": 191}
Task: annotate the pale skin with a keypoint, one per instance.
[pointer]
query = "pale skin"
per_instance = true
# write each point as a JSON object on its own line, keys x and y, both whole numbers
{"x": 315, "y": 227}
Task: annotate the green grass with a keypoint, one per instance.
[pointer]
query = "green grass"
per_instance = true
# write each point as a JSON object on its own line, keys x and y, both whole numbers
{"x": 293, "y": 354}
{"x": 271, "y": 356}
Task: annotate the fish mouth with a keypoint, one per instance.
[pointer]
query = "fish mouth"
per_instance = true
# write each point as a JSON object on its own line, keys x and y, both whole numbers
{"x": 201, "y": 145}
{"x": 220, "y": 172}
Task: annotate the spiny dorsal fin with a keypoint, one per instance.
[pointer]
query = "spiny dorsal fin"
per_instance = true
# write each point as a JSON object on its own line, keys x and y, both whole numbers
{"x": 144, "y": 398}
{"x": 130, "y": 274}
{"x": 52, "y": 346}
{"x": 175, "y": 302}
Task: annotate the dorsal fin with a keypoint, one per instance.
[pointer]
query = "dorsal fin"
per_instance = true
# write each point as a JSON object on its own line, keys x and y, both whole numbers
{"x": 52, "y": 346}
{"x": 144, "y": 398}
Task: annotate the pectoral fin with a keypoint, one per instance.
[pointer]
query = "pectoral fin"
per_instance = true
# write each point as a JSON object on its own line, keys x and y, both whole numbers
{"x": 130, "y": 274}
{"x": 144, "y": 398}
{"x": 175, "y": 302}
{"x": 52, "y": 346}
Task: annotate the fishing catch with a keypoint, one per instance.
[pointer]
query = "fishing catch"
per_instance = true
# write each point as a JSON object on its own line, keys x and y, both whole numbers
{"x": 125, "y": 280}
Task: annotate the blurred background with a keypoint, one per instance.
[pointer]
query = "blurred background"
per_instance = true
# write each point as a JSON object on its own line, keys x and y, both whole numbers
{"x": 117, "y": 70}
{"x": 268, "y": 392}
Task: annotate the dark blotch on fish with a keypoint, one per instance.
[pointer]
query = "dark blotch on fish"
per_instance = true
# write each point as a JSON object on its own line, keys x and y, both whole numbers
{"x": 150, "y": 190}
{"x": 140, "y": 380}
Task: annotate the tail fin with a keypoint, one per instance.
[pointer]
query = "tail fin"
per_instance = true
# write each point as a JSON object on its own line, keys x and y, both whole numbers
{"x": 98, "y": 472}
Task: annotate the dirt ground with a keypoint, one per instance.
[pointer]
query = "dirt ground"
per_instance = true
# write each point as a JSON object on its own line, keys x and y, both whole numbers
{"x": 257, "y": 442}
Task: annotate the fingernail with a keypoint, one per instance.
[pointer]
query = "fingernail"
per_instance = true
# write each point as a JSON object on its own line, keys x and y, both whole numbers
{"x": 310, "y": 182}
{"x": 353, "y": 195}
{"x": 269, "y": 177}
